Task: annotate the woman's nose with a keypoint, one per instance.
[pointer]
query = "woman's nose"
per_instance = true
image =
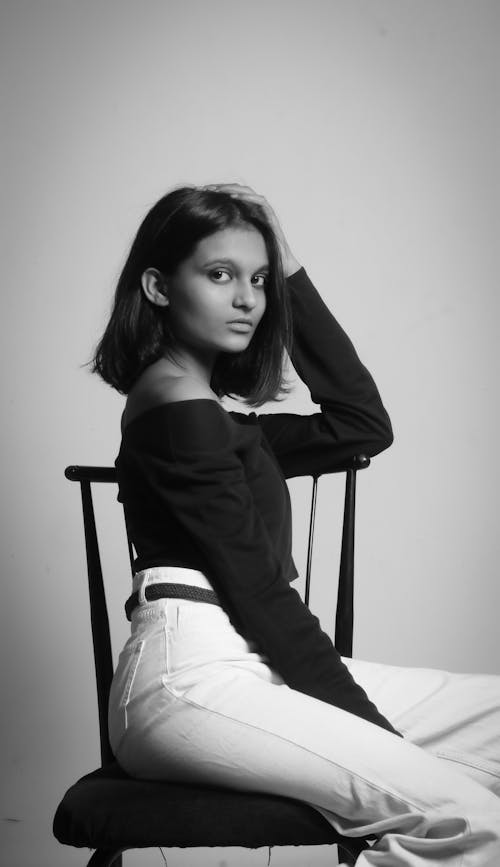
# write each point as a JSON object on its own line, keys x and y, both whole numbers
{"x": 245, "y": 296}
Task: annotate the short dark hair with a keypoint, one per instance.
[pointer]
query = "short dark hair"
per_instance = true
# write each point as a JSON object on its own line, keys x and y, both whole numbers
{"x": 138, "y": 331}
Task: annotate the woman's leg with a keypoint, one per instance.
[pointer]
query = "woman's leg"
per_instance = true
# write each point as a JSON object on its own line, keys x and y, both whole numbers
{"x": 197, "y": 704}
{"x": 456, "y": 717}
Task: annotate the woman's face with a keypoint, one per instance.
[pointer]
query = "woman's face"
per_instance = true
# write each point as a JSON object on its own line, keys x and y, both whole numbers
{"x": 223, "y": 281}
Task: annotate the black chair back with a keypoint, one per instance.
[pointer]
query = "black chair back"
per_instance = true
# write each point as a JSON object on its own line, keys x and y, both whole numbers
{"x": 103, "y": 659}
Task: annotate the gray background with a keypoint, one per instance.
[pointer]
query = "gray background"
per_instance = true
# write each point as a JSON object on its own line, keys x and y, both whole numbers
{"x": 372, "y": 127}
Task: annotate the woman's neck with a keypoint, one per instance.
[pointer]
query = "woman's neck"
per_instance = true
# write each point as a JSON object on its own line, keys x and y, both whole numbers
{"x": 188, "y": 363}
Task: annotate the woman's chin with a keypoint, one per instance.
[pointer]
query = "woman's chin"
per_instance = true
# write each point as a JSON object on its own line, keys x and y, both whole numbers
{"x": 237, "y": 342}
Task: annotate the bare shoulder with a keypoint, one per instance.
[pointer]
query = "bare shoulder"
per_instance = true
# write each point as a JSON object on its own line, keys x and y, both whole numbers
{"x": 157, "y": 386}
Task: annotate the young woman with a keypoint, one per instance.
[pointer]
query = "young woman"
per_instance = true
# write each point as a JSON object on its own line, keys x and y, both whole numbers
{"x": 227, "y": 678}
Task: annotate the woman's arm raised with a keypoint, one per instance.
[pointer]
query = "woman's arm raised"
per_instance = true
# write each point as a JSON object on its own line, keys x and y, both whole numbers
{"x": 352, "y": 420}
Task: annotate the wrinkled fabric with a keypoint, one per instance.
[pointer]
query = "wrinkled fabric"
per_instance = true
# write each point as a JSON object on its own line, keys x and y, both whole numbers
{"x": 194, "y": 701}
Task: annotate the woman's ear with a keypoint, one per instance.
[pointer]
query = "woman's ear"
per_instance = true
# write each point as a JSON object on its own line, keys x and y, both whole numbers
{"x": 154, "y": 287}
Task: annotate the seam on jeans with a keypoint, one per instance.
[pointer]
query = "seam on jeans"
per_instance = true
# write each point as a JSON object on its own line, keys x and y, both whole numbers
{"x": 134, "y": 665}
{"x": 244, "y": 724}
{"x": 167, "y": 652}
{"x": 462, "y": 759}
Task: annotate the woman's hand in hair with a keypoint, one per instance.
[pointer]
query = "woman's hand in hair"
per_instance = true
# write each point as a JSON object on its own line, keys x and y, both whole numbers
{"x": 290, "y": 263}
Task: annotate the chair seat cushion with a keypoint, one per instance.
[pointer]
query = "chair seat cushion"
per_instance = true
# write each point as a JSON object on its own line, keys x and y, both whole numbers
{"x": 107, "y": 809}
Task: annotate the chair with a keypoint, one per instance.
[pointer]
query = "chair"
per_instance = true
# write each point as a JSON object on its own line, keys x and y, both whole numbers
{"x": 110, "y": 812}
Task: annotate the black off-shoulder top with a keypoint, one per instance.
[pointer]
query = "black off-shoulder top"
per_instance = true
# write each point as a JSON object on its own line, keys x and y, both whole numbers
{"x": 205, "y": 488}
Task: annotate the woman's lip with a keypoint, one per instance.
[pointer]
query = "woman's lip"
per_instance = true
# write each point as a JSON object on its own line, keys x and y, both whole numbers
{"x": 240, "y": 326}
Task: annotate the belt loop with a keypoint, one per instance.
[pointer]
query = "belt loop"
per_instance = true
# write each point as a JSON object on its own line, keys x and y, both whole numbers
{"x": 145, "y": 576}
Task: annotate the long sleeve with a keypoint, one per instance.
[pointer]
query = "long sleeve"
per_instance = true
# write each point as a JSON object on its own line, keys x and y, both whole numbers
{"x": 352, "y": 418}
{"x": 193, "y": 463}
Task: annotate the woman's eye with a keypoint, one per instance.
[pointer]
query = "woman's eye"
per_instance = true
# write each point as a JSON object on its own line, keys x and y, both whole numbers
{"x": 220, "y": 276}
{"x": 260, "y": 280}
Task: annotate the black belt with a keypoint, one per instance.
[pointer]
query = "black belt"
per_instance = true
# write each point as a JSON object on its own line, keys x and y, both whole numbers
{"x": 174, "y": 591}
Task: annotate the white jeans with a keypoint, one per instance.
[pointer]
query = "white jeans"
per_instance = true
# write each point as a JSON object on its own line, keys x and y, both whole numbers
{"x": 193, "y": 701}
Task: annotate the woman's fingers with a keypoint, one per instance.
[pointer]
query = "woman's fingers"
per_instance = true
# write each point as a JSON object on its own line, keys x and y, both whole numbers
{"x": 236, "y": 190}
{"x": 248, "y": 194}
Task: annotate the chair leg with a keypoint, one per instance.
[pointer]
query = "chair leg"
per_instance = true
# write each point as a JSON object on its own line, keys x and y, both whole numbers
{"x": 106, "y": 858}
